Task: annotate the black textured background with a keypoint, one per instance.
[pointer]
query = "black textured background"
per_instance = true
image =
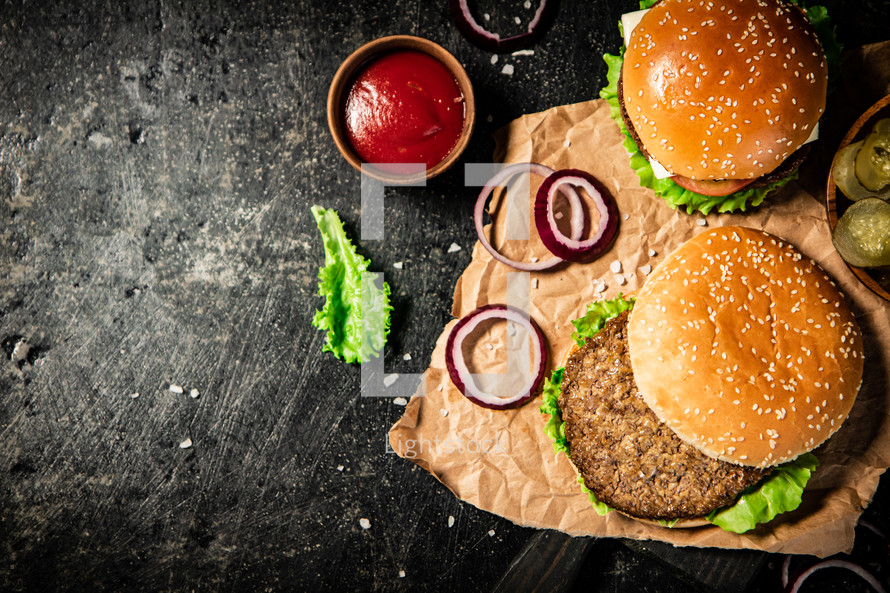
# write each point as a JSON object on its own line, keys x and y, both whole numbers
{"x": 157, "y": 164}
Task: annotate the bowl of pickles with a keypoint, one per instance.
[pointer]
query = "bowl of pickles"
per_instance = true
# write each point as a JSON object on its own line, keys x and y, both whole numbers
{"x": 858, "y": 198}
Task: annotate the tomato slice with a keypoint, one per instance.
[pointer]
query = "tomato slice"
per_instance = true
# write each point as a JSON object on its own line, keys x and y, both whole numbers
{"x": 709, "y": 187}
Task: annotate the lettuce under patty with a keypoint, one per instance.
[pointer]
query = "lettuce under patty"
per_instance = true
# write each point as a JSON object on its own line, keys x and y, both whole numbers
{"x": 780, "y": 492}
{"x": 667, "y": 189}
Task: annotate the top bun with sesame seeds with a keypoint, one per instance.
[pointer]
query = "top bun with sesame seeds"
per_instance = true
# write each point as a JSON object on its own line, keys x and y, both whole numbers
{"x": 745, "y": 348}
{"x": 724, "y": 90}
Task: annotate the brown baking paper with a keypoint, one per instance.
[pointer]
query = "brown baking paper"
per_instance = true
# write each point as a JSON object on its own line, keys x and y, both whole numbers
{"x": 502, "y": 462}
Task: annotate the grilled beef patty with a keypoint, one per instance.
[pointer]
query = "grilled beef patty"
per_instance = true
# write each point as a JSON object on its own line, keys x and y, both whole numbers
{"x": 628, "y": 458}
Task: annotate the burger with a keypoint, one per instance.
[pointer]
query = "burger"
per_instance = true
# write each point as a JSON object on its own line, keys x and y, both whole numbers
{"x": 701, "y": 399}
{"x": 719, "y": 100}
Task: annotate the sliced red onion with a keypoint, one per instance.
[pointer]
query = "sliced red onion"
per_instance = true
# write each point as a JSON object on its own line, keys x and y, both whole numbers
{"x": 500, "y": 178}
{"x": 457, "y": 366}
{"x": 570, "y": 248}
{"x": 492, "y": 42}
{"x": 867, "y": 576}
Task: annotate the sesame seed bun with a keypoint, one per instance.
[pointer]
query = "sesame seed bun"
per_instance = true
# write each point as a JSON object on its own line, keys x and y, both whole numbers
{"x": 726, "y": 89}
{"x": 745, "y": 348}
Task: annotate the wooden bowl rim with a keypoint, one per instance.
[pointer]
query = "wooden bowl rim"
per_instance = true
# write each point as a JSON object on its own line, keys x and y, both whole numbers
{"x": 356, "y": 60}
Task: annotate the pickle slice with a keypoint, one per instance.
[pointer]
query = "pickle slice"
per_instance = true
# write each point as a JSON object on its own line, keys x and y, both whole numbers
{"x": 844, "y": 173}
{"x": 873, "y": 159}
{"x": 862, "y": 235}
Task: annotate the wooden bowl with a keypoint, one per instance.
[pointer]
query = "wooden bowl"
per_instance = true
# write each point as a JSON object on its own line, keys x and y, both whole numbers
{"x": 342, "y": 83}
{"x": 877, "y": 280}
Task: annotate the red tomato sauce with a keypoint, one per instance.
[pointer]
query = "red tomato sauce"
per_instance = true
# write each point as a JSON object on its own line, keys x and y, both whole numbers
{"x": 404, "y": 107}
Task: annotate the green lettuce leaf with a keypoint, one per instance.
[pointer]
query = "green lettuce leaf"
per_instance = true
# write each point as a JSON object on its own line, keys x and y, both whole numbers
{"x": 598, "y": 313}
{"x": 356, "y": 313}
{"x": 667, "y": 189}
{"x": 779, "y": 493}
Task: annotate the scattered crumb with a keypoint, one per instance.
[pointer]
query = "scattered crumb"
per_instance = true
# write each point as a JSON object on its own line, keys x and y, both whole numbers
{"x": 450, "y": 521}
{"x": 339, "y": 468}
{"x": 652, "y": 253}
{"x": 647, "y": 269}
{"x": 406, "y": 356}
{"x": 507, "y": 69}
{"x": 454, "y": 247}
{"x": 390, "y": 379}
{"x": 398, "y": 265}
{"x": 194, "y": 393}
{"x": 175, "y": 388}
{"x": 185, "y": 444}
{"x": 523, "y": 52}
{"x": 400, "y": 401}
{"x": 365, "y": 524}
{"x": 701, "y": 222}
{"x": 620, "y": 279}
{"x": 494, "y": 59}
{"x": 491, "y": 533}
{"x": 444, "y": 412}
{"x": 401, "y": 574}
{"x": 567, "y": 143}
{"x": 615, "y": 266}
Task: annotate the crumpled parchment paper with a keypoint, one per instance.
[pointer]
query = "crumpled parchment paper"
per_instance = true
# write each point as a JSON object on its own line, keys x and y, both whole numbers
{"x": 502, "y": 462}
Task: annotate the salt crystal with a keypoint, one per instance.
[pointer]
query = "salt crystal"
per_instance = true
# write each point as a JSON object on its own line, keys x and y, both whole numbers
{"x": 527, "y": 4}
{"x": 491, "y": 533}
{"x": 652, "y": 253}
{"x": 339, "y": 468}
{"x": 444, "y": 412}
{"x": 523, "y": 52}
{"x": 534, "y": 282}
{"x": 558, "y": 216}
{"x": 615, "y": 266}
{"x": 194, "y": 393}
{"x": 507, "y": 69}
{"x": 566, "y": 142}
{"x": 401, "y": 574}
{"x": 620, "y": 279}
{"x": 486, "y": 16}
{"x": 134, "y": 395}
{"x": 440, "y": 388}
{"x": 406, "y": 356}
{"x": 647, "y": 269}
{"x": 494, "y": 59}
{"x": 400, "y": 401}
{"x": 364, "y": 523}
{"x": 601, "y": 287}
{"x": 517, "y": 20}
{"x": 185, "y": 444}
{"x": 450, "y": 521}
{"x": 489, "y": 346}
{"x": 390, "y": 379}
{"x": 398, "y": 265}
{"x": 701, "y": 222}
{"x": 627, "y": 217}
{"x": 489, "y": 119}
{"x": 534, "y": 260}
{"x": 453, "y": 248}
{"x": 175, "y": 388}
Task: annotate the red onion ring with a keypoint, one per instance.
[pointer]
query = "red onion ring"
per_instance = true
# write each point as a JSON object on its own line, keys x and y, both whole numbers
{"x": 500, "y": 178}
{"x": 867, "y": 576}
{"x": 492, "y": 42}
{"x": 457, "y": 366}
{"x": 570, "y": 248}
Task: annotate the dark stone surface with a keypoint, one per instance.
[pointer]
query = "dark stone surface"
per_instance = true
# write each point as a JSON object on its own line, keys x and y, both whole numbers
{"x": 157, "y": 164}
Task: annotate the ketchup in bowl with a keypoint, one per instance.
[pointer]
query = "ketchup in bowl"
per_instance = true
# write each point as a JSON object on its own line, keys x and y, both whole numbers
{"x": 404, "y": 107}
